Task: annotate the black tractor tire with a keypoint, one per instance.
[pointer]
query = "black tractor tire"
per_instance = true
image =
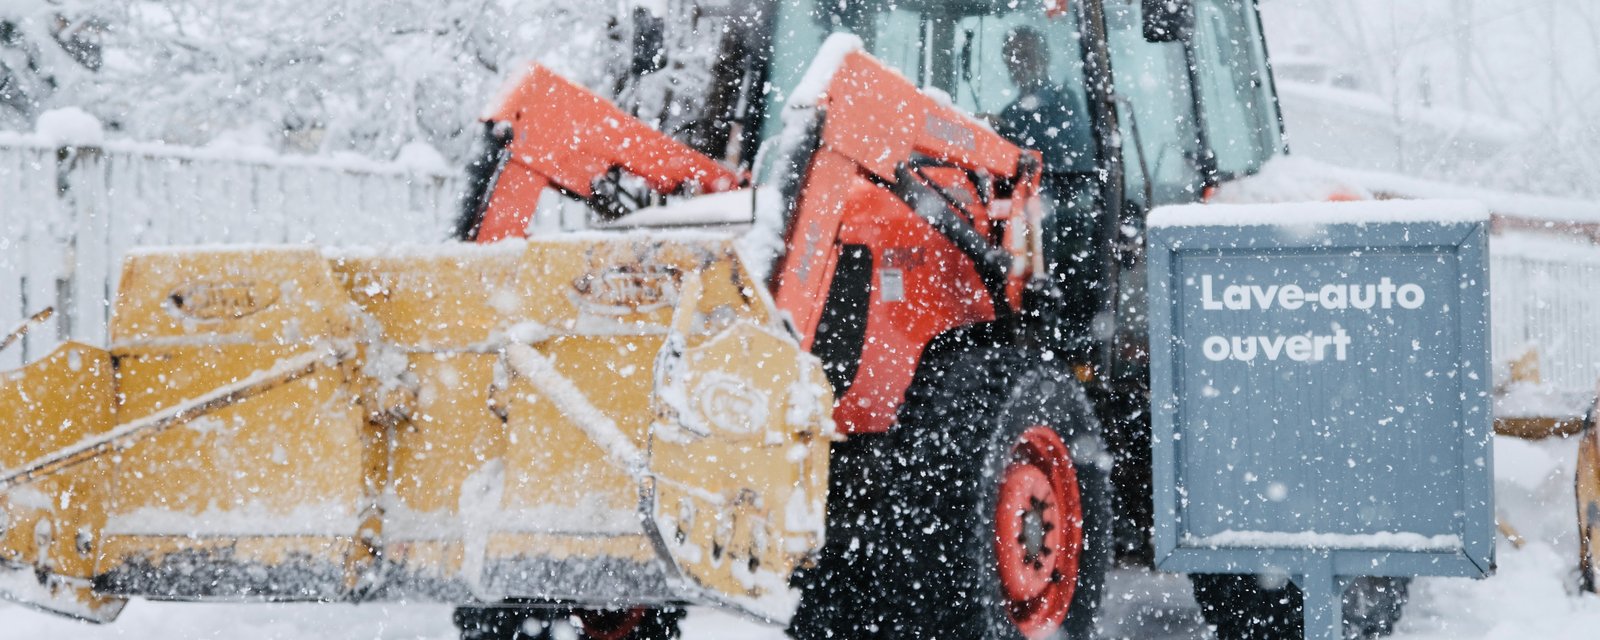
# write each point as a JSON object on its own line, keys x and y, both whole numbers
{"x": 1247, "y": 607}
{"x": 489, "y": 622}
{"x": 964, "y": 429}
{"x": 636, "y": 624}
{"x": 841, "y": 597}
{"x": 525, "y": 623}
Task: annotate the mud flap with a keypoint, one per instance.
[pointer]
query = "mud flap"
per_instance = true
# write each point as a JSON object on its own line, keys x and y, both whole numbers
{"x": 50, "y": 523}
{"x": 736, "y": 493}
{"x": 1587, "y": 487}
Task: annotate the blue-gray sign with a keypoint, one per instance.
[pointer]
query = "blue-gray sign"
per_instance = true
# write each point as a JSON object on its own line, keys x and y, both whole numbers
{"x": 1321, "y": 380}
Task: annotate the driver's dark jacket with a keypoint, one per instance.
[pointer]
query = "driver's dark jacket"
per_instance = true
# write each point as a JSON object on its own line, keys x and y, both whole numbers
{"x": 1052, "y": 120}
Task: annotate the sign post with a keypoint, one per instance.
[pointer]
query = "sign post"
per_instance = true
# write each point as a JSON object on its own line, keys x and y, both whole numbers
{"x": 1320, "y": 385}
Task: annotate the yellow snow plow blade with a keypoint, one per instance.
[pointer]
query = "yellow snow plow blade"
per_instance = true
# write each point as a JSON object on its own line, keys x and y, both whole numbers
{"x": 604, "y": 420}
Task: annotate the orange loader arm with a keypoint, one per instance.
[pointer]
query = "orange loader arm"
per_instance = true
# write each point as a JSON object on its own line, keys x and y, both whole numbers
{"x": 566, "y": 137}
{"x": 874, "y": 127}
{"x": 909, "y": 220}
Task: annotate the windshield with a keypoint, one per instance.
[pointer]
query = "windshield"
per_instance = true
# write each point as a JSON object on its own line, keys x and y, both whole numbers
{"x": 1161, "y": 148}
{"x": 1000, "y": 59}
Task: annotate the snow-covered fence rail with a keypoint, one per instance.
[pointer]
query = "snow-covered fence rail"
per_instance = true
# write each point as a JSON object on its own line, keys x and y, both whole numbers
{"x": 1546, "y": 300}
{"x": 68, "y": 214}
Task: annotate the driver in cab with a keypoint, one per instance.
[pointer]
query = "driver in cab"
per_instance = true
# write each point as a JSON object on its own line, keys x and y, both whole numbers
{"x": 1053, "y": 120}
{"x": 1045, "y": 116}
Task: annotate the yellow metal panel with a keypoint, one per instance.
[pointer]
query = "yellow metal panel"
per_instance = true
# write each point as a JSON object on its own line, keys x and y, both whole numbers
{"x": 259, "y": 459}
{"x": 633, "y": 547}
{"x": 51, "y": 527}
{"x": 452, "y": 432}
{"x": 288, "y": 463}
{"x": 271, "y": 550}
{"x": 551, "y": 461}
{"x": 447, "y": 299}
{"x": 740, "y": 507}
{"x": 240, "y": 296}
{"x": 1587, "y": 487}
{"x": 54, "y": 402}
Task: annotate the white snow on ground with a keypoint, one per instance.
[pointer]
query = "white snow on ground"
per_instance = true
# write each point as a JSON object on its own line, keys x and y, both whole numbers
{"x": 379, "y": 621}
{"x": 1534, "y": 593}
{"x": 1532, "y": 596}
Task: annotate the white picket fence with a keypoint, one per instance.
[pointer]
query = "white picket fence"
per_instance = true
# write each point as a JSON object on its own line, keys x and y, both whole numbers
{"x": 1546, "y": 299}
{"x": 69, "y": 214}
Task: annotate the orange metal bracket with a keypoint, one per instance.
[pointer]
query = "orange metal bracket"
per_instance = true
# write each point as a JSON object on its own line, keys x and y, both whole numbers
{"x": 566, "y": 136}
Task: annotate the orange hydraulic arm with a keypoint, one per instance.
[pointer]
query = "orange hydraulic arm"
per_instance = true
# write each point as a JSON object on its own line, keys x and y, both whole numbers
{"x": 909, "y": 220}
{"x": 875, "y": 125}
{"x": 564, "y": 136}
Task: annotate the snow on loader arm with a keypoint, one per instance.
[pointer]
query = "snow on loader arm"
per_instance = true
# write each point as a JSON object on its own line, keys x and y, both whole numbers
{"x": 595, "y": 420}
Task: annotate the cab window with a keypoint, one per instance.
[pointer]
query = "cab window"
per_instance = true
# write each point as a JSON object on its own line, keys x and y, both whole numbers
{"x": 1160, "y": 135}
{"x": 1241, "y": 116}
{"x": 958, "y": 47}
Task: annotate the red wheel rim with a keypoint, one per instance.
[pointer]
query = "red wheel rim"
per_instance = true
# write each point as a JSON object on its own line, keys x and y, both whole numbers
{"x": 1038, "y": 532}
{"x": 610, "y": 625}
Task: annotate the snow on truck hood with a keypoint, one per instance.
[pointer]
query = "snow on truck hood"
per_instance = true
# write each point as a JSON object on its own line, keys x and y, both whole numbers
{"x": 1320, "y": 213}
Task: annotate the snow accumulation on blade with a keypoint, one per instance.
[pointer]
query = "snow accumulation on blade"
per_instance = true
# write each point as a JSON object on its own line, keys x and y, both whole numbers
{"x": 128, "y": 433}
{"x": 254, "y": 518}
{"x": 1532, "y": 594}
{"x": 717, "y": 209}
{"x": 1320, "y": 213}
{"x": 541, "y": 371}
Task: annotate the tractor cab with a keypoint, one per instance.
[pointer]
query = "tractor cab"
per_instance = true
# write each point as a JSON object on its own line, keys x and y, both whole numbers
{"x": 1020, "y": 68}
{"x": 1194, "y": 74}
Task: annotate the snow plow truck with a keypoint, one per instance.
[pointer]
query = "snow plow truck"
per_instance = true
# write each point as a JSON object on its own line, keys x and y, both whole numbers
{"x": 857, "y": 349}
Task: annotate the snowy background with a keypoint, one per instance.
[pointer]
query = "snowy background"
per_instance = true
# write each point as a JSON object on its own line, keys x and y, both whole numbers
{"x": 1495, "y": 93}
{"x": 1484, "y": 92}
{"x": 1503, "y": 94}
{"x": 324, "y": 77}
